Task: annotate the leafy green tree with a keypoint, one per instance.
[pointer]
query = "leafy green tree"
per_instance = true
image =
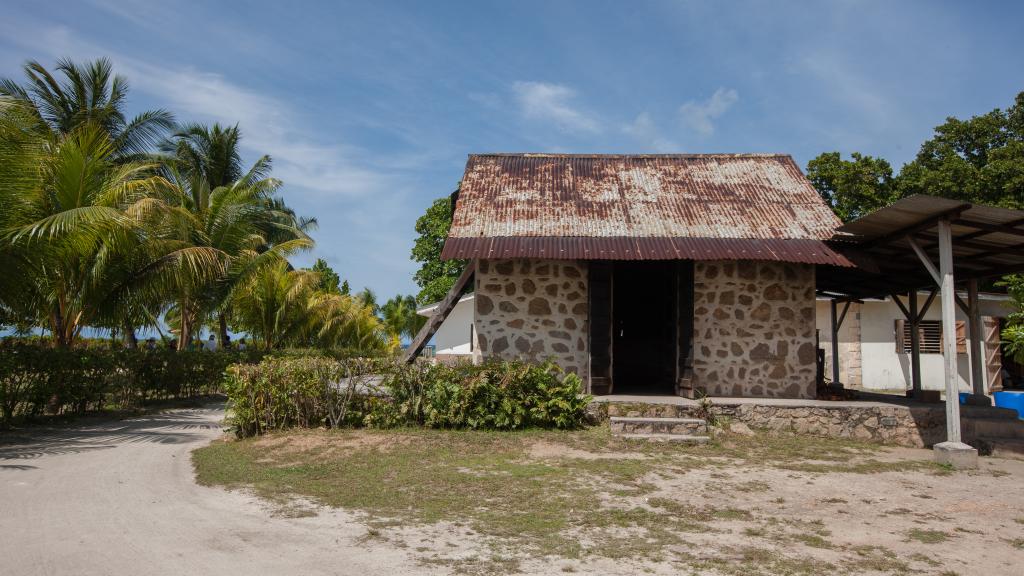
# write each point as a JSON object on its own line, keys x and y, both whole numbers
{"x": 329, "y": 281}
{"x": 345, "y": 290}
{"x": 852, "y": 187}
{"x": 976, "y": 160}
{"x": 435, "y": 276}
{"x": 1013, "y": 334}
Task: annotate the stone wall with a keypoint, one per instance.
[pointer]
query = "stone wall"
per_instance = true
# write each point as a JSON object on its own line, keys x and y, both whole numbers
{"x": 533, "y": 310}
{"x": 903, "y": 425}
{"x": 754, "y": 329}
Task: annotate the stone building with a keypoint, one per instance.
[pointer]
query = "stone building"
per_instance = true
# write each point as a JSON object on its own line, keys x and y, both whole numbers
{"x": 672, "y": 274}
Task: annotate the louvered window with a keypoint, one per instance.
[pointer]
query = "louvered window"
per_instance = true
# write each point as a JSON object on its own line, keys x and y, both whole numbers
{"x": 931, "y": 336}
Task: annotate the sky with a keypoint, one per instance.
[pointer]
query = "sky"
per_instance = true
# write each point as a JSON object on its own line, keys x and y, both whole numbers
{"x": 369, "y": 109}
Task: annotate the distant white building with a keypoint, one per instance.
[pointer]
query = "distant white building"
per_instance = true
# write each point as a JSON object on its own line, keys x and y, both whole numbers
{"x": 874, "y": 344}
{"x": 456, "y": 338}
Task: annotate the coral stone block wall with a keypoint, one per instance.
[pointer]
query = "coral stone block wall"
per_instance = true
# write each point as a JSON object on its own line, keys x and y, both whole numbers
{"x": 754, "y": 329}
{"x": 533, "y": 310}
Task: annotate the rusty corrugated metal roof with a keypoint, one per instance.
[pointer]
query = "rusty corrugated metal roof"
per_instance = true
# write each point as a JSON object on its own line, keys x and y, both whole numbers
{"x": 705, "y": 206}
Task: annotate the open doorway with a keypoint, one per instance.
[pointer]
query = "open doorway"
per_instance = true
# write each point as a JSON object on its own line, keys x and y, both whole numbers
{"x": 644, "y": 327}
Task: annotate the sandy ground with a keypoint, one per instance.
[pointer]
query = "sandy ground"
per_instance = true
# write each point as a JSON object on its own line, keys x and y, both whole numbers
{"x": 119, "y": 498}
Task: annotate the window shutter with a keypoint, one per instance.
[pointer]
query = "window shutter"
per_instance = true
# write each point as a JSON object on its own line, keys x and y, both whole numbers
{"x": 901, "y": 342}
{"x": 961, "y": 337}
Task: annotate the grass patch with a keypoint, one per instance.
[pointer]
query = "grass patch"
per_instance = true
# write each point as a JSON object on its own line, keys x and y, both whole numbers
{"x": 927, "y": 536}
{"x": 533, "y": 493}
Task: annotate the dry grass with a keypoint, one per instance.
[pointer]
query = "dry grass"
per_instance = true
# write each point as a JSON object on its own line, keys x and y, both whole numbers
{"x": 578, "y": 496}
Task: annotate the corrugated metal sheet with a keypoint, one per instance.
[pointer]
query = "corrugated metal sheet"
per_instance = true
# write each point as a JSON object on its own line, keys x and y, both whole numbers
{"x": 708, "y": 206}
{"x": 625, "y": 248}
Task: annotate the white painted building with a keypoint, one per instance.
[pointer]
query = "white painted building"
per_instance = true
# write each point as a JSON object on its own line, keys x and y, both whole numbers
{"x": 456, "y": 338}
{"x": 874, "y": 355}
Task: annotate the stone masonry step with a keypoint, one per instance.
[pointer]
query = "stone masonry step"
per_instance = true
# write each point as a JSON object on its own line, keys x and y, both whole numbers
{"x": 645, "y": 425}
{"x": 1000, "y": 447}
{"x": 993, "y": 428}
{"x": 668, "y": 438}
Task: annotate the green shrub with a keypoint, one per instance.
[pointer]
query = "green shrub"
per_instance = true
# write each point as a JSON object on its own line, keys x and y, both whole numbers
{"x": 36, "y": 380}
{"x": 304, "y": 391}
{"x": 281, "y": 393}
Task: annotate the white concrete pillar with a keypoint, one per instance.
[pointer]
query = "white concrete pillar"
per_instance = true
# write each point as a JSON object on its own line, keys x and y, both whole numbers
{"x": 953, "y": 450}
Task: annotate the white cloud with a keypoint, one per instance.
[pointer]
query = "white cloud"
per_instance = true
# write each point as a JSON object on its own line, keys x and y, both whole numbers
{"x": 645, "y": 131}
{"x": 698, "y": 116}
{"x": 552, "y": 102}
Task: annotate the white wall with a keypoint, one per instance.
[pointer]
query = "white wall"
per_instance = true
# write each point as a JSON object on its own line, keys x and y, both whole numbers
{"x": 453, "y": 335}
{"x": 882, "y": 368}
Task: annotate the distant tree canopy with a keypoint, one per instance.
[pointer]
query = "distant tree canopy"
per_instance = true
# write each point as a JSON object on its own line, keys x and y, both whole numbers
{"x": 852, "y": 187}
{"x": 329, "y": 281}
{"x": 976, "y": 160}
{"x": 435, "y": 276}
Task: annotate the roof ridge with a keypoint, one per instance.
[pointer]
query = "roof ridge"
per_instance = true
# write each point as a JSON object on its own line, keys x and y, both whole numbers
{"x": 644, "y": 155}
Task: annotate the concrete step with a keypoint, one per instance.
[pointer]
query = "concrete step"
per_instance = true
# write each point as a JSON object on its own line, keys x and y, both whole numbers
{"x": 993, "y": 428}
{"x": 647, "y": 425}
{"x": 647, "y": 410}
{"x": 1000, "y": 447}
{"x": 668, "y": 438}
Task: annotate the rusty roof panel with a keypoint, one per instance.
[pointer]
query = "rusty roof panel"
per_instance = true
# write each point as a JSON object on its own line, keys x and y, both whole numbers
{"x": 628, "y": 248}
{"x": 624, "y": 199}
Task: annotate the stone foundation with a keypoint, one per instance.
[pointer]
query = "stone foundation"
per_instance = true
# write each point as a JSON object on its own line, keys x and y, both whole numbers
{"x": 912, "y": 426}
{"x": 533, "y": 310}
{"x": 754, "y": 329}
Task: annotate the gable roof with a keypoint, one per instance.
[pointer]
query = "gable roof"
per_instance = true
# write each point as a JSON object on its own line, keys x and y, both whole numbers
{"x": 692, "y": 206}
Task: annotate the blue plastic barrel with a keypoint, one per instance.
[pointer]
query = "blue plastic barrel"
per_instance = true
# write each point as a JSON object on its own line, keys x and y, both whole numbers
{"x": 963, "y": 397}
{"x": 1012, "y": 399}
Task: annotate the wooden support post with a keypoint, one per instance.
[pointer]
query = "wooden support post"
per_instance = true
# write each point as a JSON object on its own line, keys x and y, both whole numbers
{"x": 835, "y": 344}
{"x": 837, "y": 323}
{"x": 915, "y": 345}
{"x": 444, "y": 308}
{"x": 977, "y": 346}
{"x": 953, "y": 450}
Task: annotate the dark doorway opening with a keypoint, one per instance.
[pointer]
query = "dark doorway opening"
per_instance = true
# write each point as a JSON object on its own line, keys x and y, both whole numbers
{"x": 644, "y": 327}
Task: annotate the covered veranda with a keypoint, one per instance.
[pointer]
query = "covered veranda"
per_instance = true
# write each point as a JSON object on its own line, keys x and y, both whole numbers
{"x": 940, "y": 246}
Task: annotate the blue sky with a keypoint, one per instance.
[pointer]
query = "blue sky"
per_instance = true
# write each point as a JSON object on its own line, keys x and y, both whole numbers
{"x": 369, "y": 109}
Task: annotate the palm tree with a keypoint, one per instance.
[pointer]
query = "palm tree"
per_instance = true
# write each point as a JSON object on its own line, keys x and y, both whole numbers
{"x": 210, "y": 243}
{"x": 400, "y": 317}
{"x": 65, "y": 223}
{"x": 206, "y": 159}
{"x": 88, "y": 93}
{"x": 51, "y": 106}
{"x": 281, "y": 306}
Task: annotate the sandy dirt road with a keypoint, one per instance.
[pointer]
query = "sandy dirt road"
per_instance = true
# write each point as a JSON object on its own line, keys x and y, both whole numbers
{"x": 118, "y": 497}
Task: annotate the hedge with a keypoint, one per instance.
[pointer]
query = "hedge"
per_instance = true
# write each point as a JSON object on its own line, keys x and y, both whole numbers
{"x": 280, "y": 393}
{"x": 36, "y": 380}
